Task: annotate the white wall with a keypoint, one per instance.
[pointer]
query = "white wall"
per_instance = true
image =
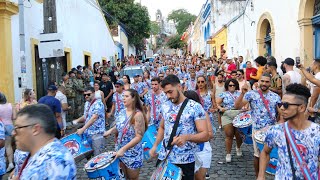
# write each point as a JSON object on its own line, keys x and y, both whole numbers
{"x": 83, "y": 28}
{"x": 132, "y": 50}
{"x": 242, "y": 33}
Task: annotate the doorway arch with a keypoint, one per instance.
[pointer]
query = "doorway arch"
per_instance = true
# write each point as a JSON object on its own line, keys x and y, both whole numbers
{"x": 266, "y": 35}
{"x": 306, "y": 12}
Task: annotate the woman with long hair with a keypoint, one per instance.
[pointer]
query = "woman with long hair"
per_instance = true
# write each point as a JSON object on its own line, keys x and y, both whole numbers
{"x": 183, "y": 74}
{"x": 127, "y": 83}
{"x": 29, "y": 98}
{"x": 147, "y": 79}
{"x": 7, "y": 115}
{"x": 99, "y": 94}
{"x": 97, "y": 76}
{"x": 205, "y": 153}
{"x": 131, "y": 123}
{"x": 207, "y": 97}
{"x": 225, "y": 103}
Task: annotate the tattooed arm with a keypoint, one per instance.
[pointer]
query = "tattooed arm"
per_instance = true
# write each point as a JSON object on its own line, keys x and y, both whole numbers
{"x": 139, "y": 127}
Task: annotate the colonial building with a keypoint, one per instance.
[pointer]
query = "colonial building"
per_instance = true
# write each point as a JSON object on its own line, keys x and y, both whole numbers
{"x": 85, "y": 35}
{"x": 287, "y": 28}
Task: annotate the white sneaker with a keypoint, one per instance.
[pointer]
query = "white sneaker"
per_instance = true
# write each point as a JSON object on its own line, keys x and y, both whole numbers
{"x": 10, "y": 167}
{"x": 239, "y": 152}
{"x": 228, "y": 158}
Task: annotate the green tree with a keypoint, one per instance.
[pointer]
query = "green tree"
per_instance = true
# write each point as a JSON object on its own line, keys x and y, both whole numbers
{"x": 175, "y": 42}
{"x": 133, "y": 17}
{"x": 182, "y": 18}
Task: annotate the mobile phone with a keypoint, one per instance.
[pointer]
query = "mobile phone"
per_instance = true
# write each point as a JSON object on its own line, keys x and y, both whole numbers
{"x": 297, "y": 62}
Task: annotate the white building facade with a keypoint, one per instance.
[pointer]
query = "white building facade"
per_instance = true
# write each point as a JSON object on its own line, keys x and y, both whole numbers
{"x": 85, "y": 35}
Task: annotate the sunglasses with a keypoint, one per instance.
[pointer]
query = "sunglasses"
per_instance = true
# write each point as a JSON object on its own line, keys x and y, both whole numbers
{"x": 88, "y": 94}
{"x": 161, "y": 76}
{"x": 232, "y": 85}
{"x": 286, "y": 105}
{"x": 200, "y": 82}
{"x": 239, "y": 74}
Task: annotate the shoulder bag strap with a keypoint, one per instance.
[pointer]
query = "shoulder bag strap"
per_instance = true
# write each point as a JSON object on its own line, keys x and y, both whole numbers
{"x": 291, "y": 161}
{"x": 176, "y": 123}
{"x": 265, "y": 103}
{"x": 301, "y": 161}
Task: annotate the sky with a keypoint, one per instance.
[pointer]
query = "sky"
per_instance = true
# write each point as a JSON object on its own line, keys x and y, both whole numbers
{"x": 166, "y": 6}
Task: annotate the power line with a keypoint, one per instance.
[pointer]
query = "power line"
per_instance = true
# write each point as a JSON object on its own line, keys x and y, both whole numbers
{"x": 94, "y": 5}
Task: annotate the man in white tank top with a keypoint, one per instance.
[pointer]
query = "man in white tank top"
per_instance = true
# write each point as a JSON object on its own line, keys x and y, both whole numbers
{"x": 290, "y": 76}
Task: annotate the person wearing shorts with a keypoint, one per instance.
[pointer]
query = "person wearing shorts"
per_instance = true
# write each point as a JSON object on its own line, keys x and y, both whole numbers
{"x": 7, "y": 114}
{"x": 225, "y": 103}
{"x": 264, "y": 110}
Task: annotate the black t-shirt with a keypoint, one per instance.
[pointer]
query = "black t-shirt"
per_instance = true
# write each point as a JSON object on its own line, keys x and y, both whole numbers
{"x": 112, "y": 77}
{"x": 106, "y": 87}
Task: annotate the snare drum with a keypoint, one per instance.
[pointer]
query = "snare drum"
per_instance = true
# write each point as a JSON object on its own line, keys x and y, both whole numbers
{"x": 78, "y": 146}
{"x": 166, "y": 170}
{"x": 148, "y": 139}
{"x": 260, "y": 136}
{"x": 104, "y": 166}
{"x": 243, "y": 122}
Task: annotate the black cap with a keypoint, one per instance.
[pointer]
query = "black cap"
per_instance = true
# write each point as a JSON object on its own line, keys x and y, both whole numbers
{"x": 52, "y": 88}
{"x": 79, "y": 72}
{"x": 289, "y": 61}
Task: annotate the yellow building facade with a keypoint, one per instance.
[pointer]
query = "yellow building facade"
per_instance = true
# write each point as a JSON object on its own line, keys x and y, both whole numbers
{"x": 7, "y": 9}
{"x": 219, "y": 42}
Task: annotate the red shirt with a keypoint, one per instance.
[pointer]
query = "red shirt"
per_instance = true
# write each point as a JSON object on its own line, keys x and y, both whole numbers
{"x": 249, "y": 71}
{"x": 231, "y": 67}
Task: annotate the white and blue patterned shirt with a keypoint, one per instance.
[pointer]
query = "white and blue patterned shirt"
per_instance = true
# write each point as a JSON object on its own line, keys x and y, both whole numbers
{"x": 191, "y": 84}
{"x": 98, "y": 127}
{"x": 308, "y": 143}
{"x": 133, "y": 157}
{"x": 139, "y": 87}
{"x": 193, "y": 112}
{"x": 19, "y": 158}
{"x": 229, "y": 99}
{"x": 53, "y": 161}
{"x": 260, "y": 114}
{"x": 117, "y": 99}
{"x": 2, "y": 151}
{"x": 158, "y": 100}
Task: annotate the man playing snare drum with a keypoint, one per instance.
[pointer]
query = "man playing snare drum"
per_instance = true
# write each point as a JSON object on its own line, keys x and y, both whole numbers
{"x": 191, "y": 129}
{"x": 94, "y": 118}
{"x": 263, "y": 103}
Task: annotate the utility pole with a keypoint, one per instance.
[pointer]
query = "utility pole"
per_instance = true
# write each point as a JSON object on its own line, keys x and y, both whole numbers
{"x": 49, "y": 16}
{"x": 50, "y": 74}
{"x": 22, "y": 45}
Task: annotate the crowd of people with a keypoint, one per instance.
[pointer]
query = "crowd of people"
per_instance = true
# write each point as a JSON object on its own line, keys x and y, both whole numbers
{"x": 187, "y": 98}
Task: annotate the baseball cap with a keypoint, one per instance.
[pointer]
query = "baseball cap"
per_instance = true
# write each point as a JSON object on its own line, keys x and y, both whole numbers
{"x": 79, "y": 72}
{"x": 136, "y": 75}
{"x": 120, "y": 82}
{"x": 289, "y": 61}
{"x": 52, "y": 88}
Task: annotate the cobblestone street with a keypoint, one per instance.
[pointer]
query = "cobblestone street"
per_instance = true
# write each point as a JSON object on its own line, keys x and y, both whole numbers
{"x": 239, "y": 168}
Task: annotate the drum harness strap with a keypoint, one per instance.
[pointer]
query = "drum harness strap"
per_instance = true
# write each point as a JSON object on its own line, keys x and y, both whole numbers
{"x": 154, "y": 107}
{"x": 118, "y": 101}
{"x": 291, "y": 142}
{"x": 174, "y": 129}
{"x": 265, "y": 103}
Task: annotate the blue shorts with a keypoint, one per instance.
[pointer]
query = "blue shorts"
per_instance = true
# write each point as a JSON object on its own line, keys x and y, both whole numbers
{"x": 8, "y": 130}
